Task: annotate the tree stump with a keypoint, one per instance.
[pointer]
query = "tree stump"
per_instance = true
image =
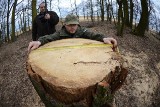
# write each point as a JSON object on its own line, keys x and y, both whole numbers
{"x": 68, "y": 70}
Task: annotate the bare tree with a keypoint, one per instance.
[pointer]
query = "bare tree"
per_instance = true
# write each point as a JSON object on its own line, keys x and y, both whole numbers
{"x": 126, "y": 12}
{"x": 84, "y": 15}
{"x": 9, "y": 7}
{"x": 142, "y": 25}
{"x": 120, "y": 25}
{"x": 13, "y": 37}
{"x": 3, "y": 12}
{"x": 109, "y": 10}
{"x": 131, "y": 14}
{"x": 60, "y": 11}
{"x": 34, "y": 10}
{"x": 136, "y": 12}
{"x": 28, "y": 7}
{"x": 91, "y": 10}
{"x": 50, "y": 4}
{"x": 76, "y": 11}
{"x": 98, "y": 10}
{"x": 102, "y": 9}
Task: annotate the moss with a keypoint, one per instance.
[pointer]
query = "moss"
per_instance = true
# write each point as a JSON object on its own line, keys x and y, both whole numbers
{"x": 103, "y": 96}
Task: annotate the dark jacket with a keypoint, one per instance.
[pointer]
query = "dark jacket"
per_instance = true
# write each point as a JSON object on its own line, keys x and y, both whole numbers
{"x": 42, "y": 26}
{"x": 63, "y": 34}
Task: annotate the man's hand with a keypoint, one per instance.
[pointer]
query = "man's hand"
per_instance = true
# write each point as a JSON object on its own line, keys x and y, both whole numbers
{"x": 33, "y": 45}
{"x": 47, "y": 16}
{"x": 110, "y": 41}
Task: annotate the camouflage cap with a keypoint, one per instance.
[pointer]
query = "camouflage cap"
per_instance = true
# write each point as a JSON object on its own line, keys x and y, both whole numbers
{"x": 71, "y": 19}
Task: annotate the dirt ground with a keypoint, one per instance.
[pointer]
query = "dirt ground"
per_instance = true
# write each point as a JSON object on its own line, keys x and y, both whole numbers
{"x": 141, "y": 88}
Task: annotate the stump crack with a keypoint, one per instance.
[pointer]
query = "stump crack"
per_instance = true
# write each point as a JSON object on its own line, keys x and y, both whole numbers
{"x": 82, "y": 62}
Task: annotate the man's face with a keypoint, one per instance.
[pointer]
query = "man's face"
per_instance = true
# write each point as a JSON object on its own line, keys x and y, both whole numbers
{"x": 72, "y": 28}
{"x": 42, "y": 7}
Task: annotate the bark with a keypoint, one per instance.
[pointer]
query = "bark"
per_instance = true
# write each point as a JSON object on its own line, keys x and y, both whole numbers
{"x": 13, "y": 37}
{"x": 126, "y": 13}
{"x": 34, "y": 10}
{"x": 142, "y": 25}
{"x": 120, "y": 25}
{"x": 91, "y": 10}
{"x": 8, "y": 12}
{"x": 131, "y": 14}
{"x": 102, "y": 9}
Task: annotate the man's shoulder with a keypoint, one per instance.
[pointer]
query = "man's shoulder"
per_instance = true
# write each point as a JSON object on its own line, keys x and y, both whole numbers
{"x": 52, "y": 12}
{"x": 83, "y": 29}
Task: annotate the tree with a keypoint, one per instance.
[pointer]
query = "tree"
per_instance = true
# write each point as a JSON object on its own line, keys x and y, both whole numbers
{"x": 3, "y": 12}
{"x": 34, "y": 11}
{"x": 120, "y": 25}
{"x": 126, "y": 13}
{"x": 28, "y": 7}
{"x": 50, "y": 2}
{"x": 108, "y": 10}
{"x": 102, "y": 9}
{"x": 131, "y": 14}
{"x": 76, "y": 8}
{"x": 59, "y": 9}
{"x": 91, "y": 10}
{"x": 8, "y": 15}
{"x": 84, "y": 15}
{"x": 13, "y": 37}
{"x": 0, "y": 37}
{"x": 24, "y": 20}
{"x": 142, "y": 25}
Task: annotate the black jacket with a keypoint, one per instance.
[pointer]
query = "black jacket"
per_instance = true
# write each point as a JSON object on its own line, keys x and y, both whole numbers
{"x": 42, "y": 26}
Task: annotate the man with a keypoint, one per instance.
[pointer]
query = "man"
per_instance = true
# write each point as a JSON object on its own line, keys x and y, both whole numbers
{"x": 44, "y": 23}
{"x": 71, "y": 29}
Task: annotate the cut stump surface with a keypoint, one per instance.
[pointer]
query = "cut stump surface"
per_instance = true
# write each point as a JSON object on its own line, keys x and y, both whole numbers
{"x": 69, "y": 69}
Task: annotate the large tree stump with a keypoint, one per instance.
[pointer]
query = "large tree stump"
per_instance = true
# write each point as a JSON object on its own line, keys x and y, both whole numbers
{"x": 68, "y": 70}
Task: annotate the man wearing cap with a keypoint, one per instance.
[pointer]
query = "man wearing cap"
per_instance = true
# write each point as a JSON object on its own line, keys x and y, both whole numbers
{"x": 71, "y": 29}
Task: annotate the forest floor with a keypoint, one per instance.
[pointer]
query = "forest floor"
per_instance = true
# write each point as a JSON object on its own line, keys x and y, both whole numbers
{"x": 141, "y": 88}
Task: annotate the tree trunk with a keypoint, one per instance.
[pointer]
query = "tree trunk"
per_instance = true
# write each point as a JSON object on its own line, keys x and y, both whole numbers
{"x": 13, "y": 37}
{"x": 76, "y": 8}
{"x": 120, "y": 25}
{"x": 131, "y": 14}
{"x": 34, "y": 11}
{"x": 0, "y": 38}
{"x": 142, "y": 25}
{"x": 8, "y": 11}
{"x": 91, "y": 11}
{"x": 102, "y": 9}
{"x": 126, "y": 13}
{"x": 60, "y": 74}
{"x": 28, "y": 16}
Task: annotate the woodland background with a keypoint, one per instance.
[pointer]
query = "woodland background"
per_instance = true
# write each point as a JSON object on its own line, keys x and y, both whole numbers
{"x": 134, "y": 23}
{"x": 139, "y": 15}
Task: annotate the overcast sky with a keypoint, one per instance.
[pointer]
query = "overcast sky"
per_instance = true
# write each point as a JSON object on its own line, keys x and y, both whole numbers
{"x": 67, "y": 5}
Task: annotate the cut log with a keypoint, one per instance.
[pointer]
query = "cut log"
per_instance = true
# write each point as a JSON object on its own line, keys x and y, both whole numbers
{"x": 69, "y": 69}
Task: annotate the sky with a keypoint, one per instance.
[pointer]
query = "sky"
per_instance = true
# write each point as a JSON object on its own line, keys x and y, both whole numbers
{"x": 65, "y": 5}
